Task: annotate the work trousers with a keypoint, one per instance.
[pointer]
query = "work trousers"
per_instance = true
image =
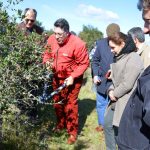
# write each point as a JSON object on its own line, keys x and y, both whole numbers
{"x": 67, "y": 112}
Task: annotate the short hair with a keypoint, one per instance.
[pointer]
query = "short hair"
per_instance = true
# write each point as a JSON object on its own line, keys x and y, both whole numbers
{"x": 30, "y": 9}
{"x": 143, "y": 4}
{"x": 63, "y": 24}
{"x": 112, "y": 29}
{"x": 137, "y": 32}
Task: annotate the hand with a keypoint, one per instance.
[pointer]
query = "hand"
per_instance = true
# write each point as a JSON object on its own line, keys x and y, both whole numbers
{"x": 97, "y": 80}
{"x": 111, "y": 95}
{"x": 108, "y": 75}
{"x": 69, "y": 81}
{"x": 49, "y": 65}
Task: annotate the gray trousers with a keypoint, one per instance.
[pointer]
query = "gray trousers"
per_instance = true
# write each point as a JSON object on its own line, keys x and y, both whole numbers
{"x": 109, "y": 130}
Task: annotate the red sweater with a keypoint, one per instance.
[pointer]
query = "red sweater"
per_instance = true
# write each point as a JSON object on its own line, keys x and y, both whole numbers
{"x": 70, "y": 59}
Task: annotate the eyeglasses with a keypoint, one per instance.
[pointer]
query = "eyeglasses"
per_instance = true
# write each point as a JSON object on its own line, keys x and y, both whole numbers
{"x": 59, "y": 34}
{"x": 27, "y": 20}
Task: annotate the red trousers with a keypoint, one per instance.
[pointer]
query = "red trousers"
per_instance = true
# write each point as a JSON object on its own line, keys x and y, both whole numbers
{"x": 67, "y": 113}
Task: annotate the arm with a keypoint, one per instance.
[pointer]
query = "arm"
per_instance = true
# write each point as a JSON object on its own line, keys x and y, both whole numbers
{"x": 146, "y": 98}
{"x": 96, "y": 66}
{"x": 133, "y": 69}
{"x": 82, "y": 60}
{"x": 111, "y": 93}
{"x": 96, "y": 62}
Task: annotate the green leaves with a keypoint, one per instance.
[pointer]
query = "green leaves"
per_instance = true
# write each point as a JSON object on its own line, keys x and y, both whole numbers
{"x": 20, "y": 62}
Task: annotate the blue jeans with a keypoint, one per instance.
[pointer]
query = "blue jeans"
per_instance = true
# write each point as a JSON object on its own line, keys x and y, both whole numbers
{"x": 101, "y": 104}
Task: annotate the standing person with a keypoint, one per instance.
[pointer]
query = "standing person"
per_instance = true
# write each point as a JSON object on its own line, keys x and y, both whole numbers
{"x": 135, "y": 123}
{"x": 101, "y": 61}
{"x": 29, "y": 22}
{"x": 70, "y": 62}
{"x": 142, "y": 48}
{"x": 28, "y": 26}
{"x": 123, "y": 77}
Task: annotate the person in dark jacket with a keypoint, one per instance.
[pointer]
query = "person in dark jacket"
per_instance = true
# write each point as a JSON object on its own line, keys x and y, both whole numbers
{"x": 134, "y": 129}
{"x": 101, "y": 61}
{"x": 29, "y": 22}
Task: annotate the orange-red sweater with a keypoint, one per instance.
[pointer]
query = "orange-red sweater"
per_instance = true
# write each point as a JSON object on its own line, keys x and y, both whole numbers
{"x": 70, "y": 59}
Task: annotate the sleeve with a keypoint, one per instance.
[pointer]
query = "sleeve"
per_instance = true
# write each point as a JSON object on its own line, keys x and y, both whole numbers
{"x": 38, "y": 29}
{"x": 96, "y": 62}
{"x": 130, "y": 76}
{"x": 82, "y": 60}
{"x": 146, "y": 98}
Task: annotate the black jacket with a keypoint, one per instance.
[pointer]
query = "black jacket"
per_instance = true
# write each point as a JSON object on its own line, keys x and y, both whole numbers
{"x": 37, "y": 29}
{"x": 101, "y": 61}
{"x": 134, "y": 129}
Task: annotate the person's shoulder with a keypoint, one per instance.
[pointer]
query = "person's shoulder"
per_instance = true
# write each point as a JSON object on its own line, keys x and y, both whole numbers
{"x": 51, "y": 39}
{"x": 38, "y": 29}
{"x": 21, "y": 26}
{"x": 135, "y": 58}
{"x": 102, "y": 41}
{"x": 134, "y": 55}
{"x": 146, "y": 47}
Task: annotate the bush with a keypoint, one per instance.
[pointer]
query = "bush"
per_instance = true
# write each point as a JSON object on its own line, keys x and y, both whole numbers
{"x": 21, "y": 70}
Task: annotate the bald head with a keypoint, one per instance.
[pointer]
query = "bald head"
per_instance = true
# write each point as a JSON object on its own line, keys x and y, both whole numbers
{"x": 30, "y": 17}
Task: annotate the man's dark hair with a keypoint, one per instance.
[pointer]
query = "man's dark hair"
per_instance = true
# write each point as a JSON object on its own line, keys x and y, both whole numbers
{"x": 138, "y": 33}
{"x": 63, "y": 24}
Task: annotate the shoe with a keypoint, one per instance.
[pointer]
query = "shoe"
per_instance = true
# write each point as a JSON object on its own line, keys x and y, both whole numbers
{"x": 99, "y": 128}
{"x": 72, "y": 139}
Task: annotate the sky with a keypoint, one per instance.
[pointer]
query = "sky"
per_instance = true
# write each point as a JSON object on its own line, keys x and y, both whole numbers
{"x": 97, "y": 13}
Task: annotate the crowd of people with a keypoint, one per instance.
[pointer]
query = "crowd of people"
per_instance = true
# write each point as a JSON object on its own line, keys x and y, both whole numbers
{"x": 120, "y": 72}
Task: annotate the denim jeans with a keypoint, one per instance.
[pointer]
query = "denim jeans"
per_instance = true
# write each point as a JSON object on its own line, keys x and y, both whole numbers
{"x": 101, "y": 104}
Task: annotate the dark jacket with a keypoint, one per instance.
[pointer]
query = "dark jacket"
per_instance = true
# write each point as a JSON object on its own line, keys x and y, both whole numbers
{"x": 37, "y": 29}
{"x": 101, "y": 61}
{"x": 134, "y": 129}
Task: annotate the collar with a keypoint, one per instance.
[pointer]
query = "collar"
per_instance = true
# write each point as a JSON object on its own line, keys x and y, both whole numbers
{"x": 140, "y": 48}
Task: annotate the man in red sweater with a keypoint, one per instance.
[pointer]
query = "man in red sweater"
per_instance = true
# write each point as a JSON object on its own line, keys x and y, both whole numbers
{"x": 70, "y": 60}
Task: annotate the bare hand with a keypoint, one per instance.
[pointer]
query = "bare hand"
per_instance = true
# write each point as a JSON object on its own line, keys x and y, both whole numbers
{"x": 108, "y": 75}
{"x": 49, "y": 65}
{"x": 111, "y": 95}
{"x": 97, "y": 80}
{"x": 69, "y": 81}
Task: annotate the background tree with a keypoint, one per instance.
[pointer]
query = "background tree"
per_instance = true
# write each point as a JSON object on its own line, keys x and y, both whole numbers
{"x": 90, "y": 34}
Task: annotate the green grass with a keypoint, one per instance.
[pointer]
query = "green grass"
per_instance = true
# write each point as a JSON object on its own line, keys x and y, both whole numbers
{"x": 41, "y": 137}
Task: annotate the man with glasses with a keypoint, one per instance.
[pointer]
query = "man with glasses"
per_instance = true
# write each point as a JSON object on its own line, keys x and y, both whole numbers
{"x": 70, "y": 60}
{"x": 134, "y": 128}
{"x": 28, "y": 25}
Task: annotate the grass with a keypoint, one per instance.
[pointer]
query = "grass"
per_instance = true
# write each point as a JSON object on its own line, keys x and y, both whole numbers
{"x": 41, "y": 137}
